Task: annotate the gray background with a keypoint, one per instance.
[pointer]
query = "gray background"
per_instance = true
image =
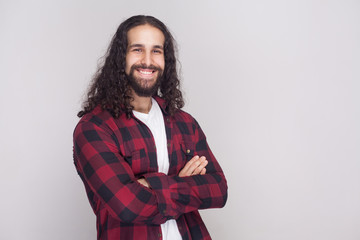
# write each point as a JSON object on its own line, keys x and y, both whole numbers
{"x": 274, "y": 85}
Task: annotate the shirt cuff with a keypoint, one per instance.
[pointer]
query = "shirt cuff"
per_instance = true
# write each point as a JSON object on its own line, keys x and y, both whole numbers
{"x": 162, "y": 185}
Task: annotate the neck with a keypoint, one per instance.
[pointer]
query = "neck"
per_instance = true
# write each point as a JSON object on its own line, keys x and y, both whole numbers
{"x": 141, "y": 104}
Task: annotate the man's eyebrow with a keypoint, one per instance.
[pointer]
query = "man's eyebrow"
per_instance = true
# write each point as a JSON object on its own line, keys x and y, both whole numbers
{"x": 135, "y": 45}
{"x": 159, "y": 46}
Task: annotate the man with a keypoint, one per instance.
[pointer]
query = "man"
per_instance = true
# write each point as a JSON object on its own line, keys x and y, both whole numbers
{"x": 145, "y": 163}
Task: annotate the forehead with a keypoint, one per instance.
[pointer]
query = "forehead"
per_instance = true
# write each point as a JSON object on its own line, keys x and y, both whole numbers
{"x": 146, "y": 35}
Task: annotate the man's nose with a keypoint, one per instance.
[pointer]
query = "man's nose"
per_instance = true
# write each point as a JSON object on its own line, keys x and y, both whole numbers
{"x": 147, "y": 58}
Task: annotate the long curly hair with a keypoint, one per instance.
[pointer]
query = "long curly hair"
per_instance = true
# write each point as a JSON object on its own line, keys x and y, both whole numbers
{"x": 110, "y": 86}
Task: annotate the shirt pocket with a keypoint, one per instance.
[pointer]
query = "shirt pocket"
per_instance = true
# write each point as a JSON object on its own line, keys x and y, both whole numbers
{"x": 139, "y": 162}
{"x": 188, "y": 150}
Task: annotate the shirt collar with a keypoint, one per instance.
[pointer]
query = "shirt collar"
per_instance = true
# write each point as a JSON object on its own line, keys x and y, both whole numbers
{"x": 161, "y": 103}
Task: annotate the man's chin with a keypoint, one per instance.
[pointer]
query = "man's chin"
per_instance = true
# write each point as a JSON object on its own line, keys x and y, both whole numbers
{"x": 144, "y": 87}
{"x": 145, "y": 91}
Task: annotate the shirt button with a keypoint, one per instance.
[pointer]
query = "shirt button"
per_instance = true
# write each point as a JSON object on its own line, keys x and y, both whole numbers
{"x": 168, "y": 119}
{"x": 168, "y": 144}
{"x": 188, "y": 151}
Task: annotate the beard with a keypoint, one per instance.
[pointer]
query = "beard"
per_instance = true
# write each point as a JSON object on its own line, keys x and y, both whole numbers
{"x": 139, "y": 85}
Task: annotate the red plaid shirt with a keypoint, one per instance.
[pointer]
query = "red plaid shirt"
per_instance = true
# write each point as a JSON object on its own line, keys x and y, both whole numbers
{"x": 111, "y": 154}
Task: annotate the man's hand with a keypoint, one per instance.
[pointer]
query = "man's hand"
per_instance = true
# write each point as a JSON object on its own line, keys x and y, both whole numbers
{"x": 194, "y": 167}
{"x": 143, "y": 182}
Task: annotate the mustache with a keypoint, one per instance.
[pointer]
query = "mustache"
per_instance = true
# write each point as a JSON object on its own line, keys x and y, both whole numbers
{"x": 153, "y": 67}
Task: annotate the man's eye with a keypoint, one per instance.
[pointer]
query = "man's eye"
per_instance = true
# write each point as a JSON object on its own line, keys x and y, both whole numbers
{"x": 157, "y": 51}
{"x": 137, "y": 50}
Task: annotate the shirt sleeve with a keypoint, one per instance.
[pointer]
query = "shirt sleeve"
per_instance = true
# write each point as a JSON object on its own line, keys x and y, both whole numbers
{"x": 106, "y": 173}
{"x": 179, "y": 195}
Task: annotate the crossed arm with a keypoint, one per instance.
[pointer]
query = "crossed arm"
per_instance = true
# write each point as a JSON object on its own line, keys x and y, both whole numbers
{"x": 158, "y": 197}
{"x": 193, "y": 167}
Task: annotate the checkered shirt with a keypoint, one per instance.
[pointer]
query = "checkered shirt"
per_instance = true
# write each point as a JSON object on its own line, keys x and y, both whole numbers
{"x": 111, "y": 154}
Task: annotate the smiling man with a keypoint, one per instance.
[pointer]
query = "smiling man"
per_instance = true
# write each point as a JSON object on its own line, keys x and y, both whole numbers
{"x": 145, "y": 59}
{"x": 145, "y": 163}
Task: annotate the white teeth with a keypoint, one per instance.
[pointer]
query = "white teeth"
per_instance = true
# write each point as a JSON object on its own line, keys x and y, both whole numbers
{"x": 145, "y": 72}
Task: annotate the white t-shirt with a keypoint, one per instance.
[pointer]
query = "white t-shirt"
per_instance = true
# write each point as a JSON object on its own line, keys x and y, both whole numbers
{"x": 154, "y": 120}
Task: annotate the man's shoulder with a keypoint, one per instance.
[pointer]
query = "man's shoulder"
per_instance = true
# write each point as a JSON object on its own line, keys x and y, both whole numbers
{"x": 99, "y": 118}
{"x": 182, "y": 116}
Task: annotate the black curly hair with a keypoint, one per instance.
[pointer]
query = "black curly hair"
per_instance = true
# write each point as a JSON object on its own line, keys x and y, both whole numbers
{"x": 110, "y": 86}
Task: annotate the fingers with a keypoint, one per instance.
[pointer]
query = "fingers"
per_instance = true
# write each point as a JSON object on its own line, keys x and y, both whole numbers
{"x": 194, "y": 167}
{"x": 201, "y": 164}
{"x": 190, "y": 163}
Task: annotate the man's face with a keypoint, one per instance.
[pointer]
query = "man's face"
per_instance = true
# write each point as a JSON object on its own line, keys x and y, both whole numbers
{"x": 145, "y": 59}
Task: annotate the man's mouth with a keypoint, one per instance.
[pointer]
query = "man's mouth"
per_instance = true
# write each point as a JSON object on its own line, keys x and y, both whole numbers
{"x": 146, "y": 72}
